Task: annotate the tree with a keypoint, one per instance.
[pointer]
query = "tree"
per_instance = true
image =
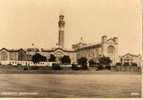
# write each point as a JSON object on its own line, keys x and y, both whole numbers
{"x": 126, "y": 64}
{"x": 75, "y": 67}
{"x": 65, "y": 59}
{"x": 91, "y": 62}
{"x": 36, "y": 58}
{"x": 52, "y": 58}
{"x": 105, "y": 61}
{"x": 83, "y": 62}
{"x": 43, "y": 59}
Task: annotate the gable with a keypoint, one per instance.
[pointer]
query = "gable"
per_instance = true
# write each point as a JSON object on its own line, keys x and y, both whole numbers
{"x": 3, "y": 49}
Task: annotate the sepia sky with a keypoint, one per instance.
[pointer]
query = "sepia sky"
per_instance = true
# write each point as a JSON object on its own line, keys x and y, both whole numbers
{"x": 23, "y": 22}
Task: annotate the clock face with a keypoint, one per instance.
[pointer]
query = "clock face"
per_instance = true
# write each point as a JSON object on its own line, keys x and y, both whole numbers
{"x": 61, "y": 23}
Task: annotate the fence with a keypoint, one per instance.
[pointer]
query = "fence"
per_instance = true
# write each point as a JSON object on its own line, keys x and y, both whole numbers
{"x": 26, "y": 63}
{"x": 127, "y": 68}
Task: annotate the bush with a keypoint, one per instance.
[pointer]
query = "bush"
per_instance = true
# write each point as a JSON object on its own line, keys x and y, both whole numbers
{"x": 19, "y": 65}
{"x": 126, "y": 64}
{"x": 25, "y": 68}
{"x": 84, "y": 67}
{"x": 56, "y": 66}
{"x": 108, "y": 67}
{"x": 65, "y": 59}
{"x": 100, "y": 67}
{"x": 91, "y": 63}
{"x": 83, "y": 62}
{"x": 36, "y": 58}
{"x": 34, "y": 67}
{"x": 10, "y": 65}
{"x": 134, "y": 64}
{"x": 75, "y": 67}
{"x": 118, "y": 64}
{"x": 105, "y": 61}
{"x": 52, "y": 58}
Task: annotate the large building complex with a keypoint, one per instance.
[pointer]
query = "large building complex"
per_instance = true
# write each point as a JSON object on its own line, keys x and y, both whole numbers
{"x": 107, "y": 47}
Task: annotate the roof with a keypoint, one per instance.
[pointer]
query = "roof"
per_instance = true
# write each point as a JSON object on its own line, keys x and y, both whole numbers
{"x": 42, "y": 50}
{"x": 9, "y": 50}
{"x": 55, "y": 49}
{"x": 130, "y": 55}
{"x": 93, "y": 45}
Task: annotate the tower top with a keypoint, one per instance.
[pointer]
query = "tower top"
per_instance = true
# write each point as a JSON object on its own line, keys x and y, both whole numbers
{"x": 61, "y": 22}
{"x": 61, "y": 17}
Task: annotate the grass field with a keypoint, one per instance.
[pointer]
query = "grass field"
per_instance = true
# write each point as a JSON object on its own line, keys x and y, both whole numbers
{"x": 97, "y": 85}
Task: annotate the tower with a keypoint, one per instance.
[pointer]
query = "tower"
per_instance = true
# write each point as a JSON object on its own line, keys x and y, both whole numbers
{"x": 103, "y": 38}
{"x": 61, "y": 25}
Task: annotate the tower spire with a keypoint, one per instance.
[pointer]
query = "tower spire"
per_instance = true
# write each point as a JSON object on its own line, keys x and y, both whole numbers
{"x": 61, "y": 25}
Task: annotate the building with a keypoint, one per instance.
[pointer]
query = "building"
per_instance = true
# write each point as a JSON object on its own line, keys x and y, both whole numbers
{"x": 24, "y": 56}
{"x": 107, "y": 47}
{"x": 130, "y": 58}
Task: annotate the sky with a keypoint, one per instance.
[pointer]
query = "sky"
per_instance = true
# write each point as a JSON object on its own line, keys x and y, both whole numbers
{"x": 23, "y": 22}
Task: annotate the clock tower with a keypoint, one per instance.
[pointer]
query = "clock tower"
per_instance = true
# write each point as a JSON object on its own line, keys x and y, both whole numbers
{"x": 61, "y": 25}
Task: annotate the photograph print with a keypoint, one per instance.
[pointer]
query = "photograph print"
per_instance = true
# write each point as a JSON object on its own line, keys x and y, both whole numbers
{"x": 70, "y": 48}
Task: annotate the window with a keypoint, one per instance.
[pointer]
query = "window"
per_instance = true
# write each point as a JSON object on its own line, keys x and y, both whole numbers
{"x": 110, "y": 50}
{"x": 4, "y": 56}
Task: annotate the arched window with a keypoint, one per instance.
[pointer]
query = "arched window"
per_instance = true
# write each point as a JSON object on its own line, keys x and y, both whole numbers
{"x": 4, "y": 56}
{"x": 21, "y": 55}
{"x": 111, "y": 49}
{"x": 59, "y": 54}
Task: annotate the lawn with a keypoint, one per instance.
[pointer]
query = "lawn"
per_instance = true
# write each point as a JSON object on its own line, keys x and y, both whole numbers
{"x": 97, "y": 85}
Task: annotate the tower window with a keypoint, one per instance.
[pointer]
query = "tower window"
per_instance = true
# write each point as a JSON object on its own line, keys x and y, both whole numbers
{"x": 111, "y": 49}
